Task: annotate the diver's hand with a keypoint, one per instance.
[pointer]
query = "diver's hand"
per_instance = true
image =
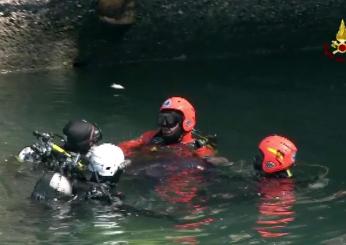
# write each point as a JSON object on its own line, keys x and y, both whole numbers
{"x": 217, "y": 161}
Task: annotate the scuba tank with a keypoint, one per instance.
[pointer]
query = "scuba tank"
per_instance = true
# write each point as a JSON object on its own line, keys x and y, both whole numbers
{"x": 52, "y": 186}
{"x": 98, "y": 180}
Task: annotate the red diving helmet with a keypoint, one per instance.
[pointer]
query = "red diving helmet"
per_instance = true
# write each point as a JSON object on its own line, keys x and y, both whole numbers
{"x": 278, "y": 153}
{"x": 183, "y": 106}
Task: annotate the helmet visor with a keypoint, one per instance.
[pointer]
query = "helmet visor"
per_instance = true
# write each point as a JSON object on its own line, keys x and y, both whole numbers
{"x": 169, "y": 119}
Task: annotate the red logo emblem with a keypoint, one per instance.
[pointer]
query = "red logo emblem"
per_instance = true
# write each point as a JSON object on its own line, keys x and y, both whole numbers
{"x": 338, "y": 46}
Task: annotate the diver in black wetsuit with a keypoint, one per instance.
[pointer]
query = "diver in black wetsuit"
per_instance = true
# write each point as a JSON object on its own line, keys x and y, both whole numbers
{"x": 97, "y": 181}
{"x": 78, "y": 167}
{"x": 79, "y": 137}
{"x": 106, "y": 163}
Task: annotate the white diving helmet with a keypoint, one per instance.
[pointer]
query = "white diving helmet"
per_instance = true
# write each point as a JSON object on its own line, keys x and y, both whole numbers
{"x": 106, "y": 159}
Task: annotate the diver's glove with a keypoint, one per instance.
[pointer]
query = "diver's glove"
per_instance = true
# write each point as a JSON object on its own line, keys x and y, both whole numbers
{"x": 102, "y": 192}
{"x": 97, "y": 191}
{"x": 202, "y": 140}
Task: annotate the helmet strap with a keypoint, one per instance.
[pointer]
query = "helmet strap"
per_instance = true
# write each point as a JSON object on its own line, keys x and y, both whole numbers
{"x": 289, "y": 173}
{"x": 91, "y": 138}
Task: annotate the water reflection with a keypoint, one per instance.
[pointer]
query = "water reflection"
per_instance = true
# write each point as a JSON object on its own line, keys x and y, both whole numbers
{"x": 275, "y": 208}
{"x": 184, "y": 190}
{"x": 178, "y": 179}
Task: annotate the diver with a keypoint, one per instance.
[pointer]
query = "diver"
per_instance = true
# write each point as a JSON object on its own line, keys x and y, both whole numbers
{"x": 76, "y": 163}
{"x": 276, "y": 157}
{"x": 175, "y": 159}
{"x": 276, "y": 186}
{"x": 176, "y": 122}
{"x": 267, "y": 181}
{"x": 105, "y": 164}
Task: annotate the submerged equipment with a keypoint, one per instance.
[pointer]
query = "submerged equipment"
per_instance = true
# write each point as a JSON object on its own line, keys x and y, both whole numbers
{"x": 53, "y": 156}
{"x": 208, "y": 140}
{"x": 51, "y": 186}
{"x": 61, "y": 184}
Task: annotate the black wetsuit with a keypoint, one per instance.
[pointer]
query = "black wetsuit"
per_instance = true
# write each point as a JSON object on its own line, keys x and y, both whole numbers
{"x": 81, "y": 190}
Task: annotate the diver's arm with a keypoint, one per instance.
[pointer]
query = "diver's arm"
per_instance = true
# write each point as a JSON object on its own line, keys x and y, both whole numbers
{"x": 217, "y": 161}
{"x": 208, "y": 154}
{"x": 129, "y": 146}
{"x": 205, "y": 151}
{"x": 130, "y": 210}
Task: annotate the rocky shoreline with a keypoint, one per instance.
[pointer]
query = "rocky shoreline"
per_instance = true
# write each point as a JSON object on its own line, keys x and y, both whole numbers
{"x": 45, "y": 34}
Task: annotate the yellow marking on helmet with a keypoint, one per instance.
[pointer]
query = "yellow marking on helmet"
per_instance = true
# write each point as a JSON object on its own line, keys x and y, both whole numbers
{"x": 280, "y": 155}
{"x": 272, "y": 150}
{"x": 277, "y": 153}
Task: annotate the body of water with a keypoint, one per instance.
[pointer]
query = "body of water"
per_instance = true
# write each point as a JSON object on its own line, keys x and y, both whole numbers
{"x": 241, "y": 101}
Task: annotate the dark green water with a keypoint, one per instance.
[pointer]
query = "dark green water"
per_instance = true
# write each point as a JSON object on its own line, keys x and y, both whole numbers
{"x": 242, "y": 101}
